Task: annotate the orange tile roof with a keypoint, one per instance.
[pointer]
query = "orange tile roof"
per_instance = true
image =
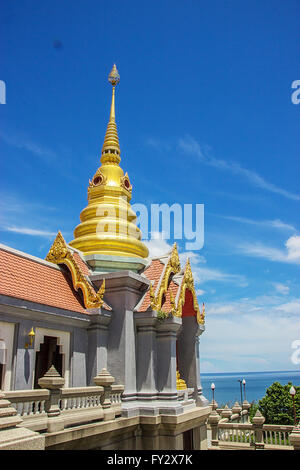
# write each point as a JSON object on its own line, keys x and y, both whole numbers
{"x": 27, "y": 279}
{"x": 167, "y": 306}
{"x": 153, "y": 273}
{"x": 82, "y": 264}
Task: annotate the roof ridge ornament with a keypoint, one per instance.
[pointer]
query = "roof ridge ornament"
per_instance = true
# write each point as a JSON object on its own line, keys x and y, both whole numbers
{"x": 188, "y": 283}
{"x": 60, "y": 253}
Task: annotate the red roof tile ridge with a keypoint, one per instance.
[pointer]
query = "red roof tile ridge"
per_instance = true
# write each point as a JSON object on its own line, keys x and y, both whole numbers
{"x": 33, "y": 258}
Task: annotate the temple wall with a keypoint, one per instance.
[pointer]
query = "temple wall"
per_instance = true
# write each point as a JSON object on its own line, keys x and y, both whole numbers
{"x": 21, "y": 361}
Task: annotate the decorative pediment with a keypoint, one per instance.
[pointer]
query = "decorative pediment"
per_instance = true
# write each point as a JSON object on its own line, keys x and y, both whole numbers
{"x": 188, "y": 283}
{"x": 167, "y": 293}
{"x": 98, "y": 179}
{"x": 60, "y": 253}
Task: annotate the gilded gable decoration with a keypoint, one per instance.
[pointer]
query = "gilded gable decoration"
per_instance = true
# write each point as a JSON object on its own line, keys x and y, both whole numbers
{"x": 60, "y": 253}
{"x": 188, "y": 283}
{"x": 98, "y": 179}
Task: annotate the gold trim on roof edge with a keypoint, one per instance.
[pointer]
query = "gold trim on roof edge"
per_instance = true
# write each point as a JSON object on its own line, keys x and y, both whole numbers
{"x": 60, "y": 253}
{"x": 188, "y": 283}
{"x": 172, "y": 266}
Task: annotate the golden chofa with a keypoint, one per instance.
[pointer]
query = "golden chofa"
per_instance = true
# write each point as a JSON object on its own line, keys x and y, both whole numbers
{"x": 107, "y": 235}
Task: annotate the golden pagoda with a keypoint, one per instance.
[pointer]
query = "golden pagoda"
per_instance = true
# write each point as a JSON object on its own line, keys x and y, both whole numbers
{"x": 108, "y": 235}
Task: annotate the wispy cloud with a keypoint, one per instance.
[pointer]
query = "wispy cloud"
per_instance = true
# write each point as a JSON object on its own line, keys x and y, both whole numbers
{"x": 281, "y": 288}
{"x": 277, "y": 223}
{"x": 291, "y": 253}
{"x": 25, "y": 143}
{"x": 269, "y": 305}
{"x": 25, "y": 217}
{"x": 292, "y": 307}
{"x": 29, "y": 231}
{"x": 189, "y": 145}
{"x": 159, "y": 246}
{"x": 241, "y": 338}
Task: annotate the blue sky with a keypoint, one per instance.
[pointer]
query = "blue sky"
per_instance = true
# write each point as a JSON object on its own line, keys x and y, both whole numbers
{"x": 204, "y": 115}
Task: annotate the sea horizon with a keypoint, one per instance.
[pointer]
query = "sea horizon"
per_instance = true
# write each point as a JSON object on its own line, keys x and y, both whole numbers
{"x": 227, "y": 386}
{"x": 251, "y": 372}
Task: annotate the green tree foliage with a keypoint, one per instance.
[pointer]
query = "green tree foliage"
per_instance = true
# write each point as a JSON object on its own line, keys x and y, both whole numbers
{"x": 277, "y": 404}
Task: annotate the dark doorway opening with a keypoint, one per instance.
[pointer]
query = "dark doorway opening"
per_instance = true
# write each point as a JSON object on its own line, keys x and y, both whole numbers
{"x": 188, "y": 440}
{"x": 48, "y": 355}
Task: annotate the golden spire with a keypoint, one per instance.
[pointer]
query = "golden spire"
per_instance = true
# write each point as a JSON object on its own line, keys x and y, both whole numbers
{"x": 111, "y": 148}
{"x": 108, "y": 223}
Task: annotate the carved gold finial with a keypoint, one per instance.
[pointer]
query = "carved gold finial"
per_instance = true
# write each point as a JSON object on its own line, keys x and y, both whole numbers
{"x": 111, "y": 147}
{"x": 114, "y": 77}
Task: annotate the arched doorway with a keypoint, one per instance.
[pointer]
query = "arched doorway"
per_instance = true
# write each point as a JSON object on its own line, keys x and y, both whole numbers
{"x": 48, "y": 355}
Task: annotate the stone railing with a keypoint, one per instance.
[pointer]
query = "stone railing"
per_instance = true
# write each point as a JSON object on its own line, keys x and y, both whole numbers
{"x": 28, "y": 402}
{"x": 225, "y": 433}
{"x": 277, "y": 435}
{"x": 235, "y": 432}
{"x": 53, "y": 407}
{"x": 116, "y": 398}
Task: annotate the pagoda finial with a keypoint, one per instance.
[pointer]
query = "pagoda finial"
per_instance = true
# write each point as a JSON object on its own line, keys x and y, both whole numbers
{"x": 111, "y": 148}
{"x": 114, "y": 77}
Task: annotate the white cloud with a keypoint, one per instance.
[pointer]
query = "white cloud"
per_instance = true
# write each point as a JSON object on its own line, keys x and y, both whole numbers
{"x": 24, "y": 143}
{"x": 29, "y": 231}
{"x": 202, "y": 274}
{"x": 191, "y": 146}
{"x": 292, "y": 308}
{"x": 281, "y": 288}
{"x": 15, "y": 213}
{"x": 293, "y": 248}
{"x": 253, "y": 341}
{"x": 277, "y": 223}
{"x": 268, "y": 305}
{"x": 193, "y": 256}
{"x": 290, "y": 255}
{"x": 157, "y": 245}
{"x": 200, "y": 291}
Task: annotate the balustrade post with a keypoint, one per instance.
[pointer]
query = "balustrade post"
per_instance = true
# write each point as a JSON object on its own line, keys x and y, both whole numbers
{"x": 226, "y": 414}
{"x": 236, "y": 412}
{"x": 246, "y": 407}
{"x": 258, "y": 422}
{"x": 294, "y": 437}
{"x": 53, "y": 381}
{"x": 214, "y": 405}
{"x": 213, "y": 420}
{"x": 105, "y": 380}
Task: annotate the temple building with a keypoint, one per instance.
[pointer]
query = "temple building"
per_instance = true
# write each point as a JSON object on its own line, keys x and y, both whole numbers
{"x": 100, "y": 302}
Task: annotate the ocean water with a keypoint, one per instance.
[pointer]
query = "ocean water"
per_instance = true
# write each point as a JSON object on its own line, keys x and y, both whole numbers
{"x": 227, "y": 389}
